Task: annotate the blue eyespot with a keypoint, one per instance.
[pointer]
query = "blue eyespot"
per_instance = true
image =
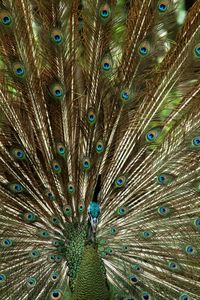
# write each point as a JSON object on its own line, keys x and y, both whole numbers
{"x": 172, "y": 265}
{"x": 120, "y": 181}
{"x": 99, "y": 148}
{"x": 197, "y": 223}
{"x": 196, "y": 141}
{"x": 54, "y": 276}
{"x": 58, "y": 93}
{"x": 31, "y": 281}
{"x": 35, "y": 253}
{"x": 161, "y": 178}
{"x": 125, "y": 96}
{"x": 150, "y": 136}
{"x": 184, "y": 297}
{"x": 163, "y": 210}
{"x": 56, "y": 167}
{"x": 137, "y": 267}
{"x": 189, "y": 249}
{"x": 70, "y": 188}
{"x": 62, "y": 150}
{"x": 19, "y": 71}
{"x": 147, "y": 234}
{"x": 2, "y": 278}
{"x": 197, "y": 51}
{"x": 104, "y": 13}
{"x": 114, "y": 230}
{"x": 7, "y": 243}
{"x": 6, "y": 20}
{"x": 106, "y": 66}
{"x": 143, "y": 50}
{"x": 56, "y": 294}
{"x": 133, "y": 278}
{"x": 20, "y": 154}
{"x": 162, "y": 7}
{"x": 51, "y": 196}
{"x": 145, "y": 296}
{"x": 86, "y": 165}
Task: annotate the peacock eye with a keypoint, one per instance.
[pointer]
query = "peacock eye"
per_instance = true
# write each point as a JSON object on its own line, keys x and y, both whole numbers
{"x": 43, "y": 233}
{"x": 120, "y": 182}
{"x": 57, "y": 36}
{"x": 196, "y": 141}
{"x": 55, "y": 220}
{"x": 56, "y": 167}
{"x": 133, "y": 279}
{"x": 56, "y": 295}
{"x": 31, "y": 281}
{"x": 113, "y": 230}
{"x": 144, "y": 49}
{"x": 145, "y": 296}
{"x": 55, "y": 276}
{"x": 162, "y": 211}
{"x": 7, "y": 243}
{"x": 162, "y": 7}
{"x": 91, "y": 116}
{"x": 189, "y": 249}
{"x": 18, "y": 70}
{"x": 34, "y": 253}
{"x": 17, "y": 153}
{"x": 184, "y": 297}
{"x": 147, "y": 234}
{"x": 99, "y": 147}
{"x": 197, "y": 51}
{"x": 5, "y": 18}
{"x": 57, "y": 91}
{"x": 71, "y": 188}
{"x": 15, "y": 188}
{"x": 2, "y": 278}
{"x": 85, "y": 164}
{"x": 105, "y": 12}
{"x": 29, "y": 217}
{"x": 172, "y": 265}
{"x": 153, "y": 134}
{"x": 125, "y": 96}
{"x": 197, "y": 223}
{"x": 67, "y": 211}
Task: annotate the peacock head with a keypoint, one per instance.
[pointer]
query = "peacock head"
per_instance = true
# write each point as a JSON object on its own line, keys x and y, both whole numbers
{"x": 94, "y": 214}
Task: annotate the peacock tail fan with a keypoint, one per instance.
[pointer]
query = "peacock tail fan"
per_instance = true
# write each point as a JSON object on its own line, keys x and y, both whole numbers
{"x": 99, "y": 150}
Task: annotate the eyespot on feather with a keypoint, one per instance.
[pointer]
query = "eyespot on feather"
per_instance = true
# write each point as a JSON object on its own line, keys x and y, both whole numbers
{"x": 6, "y": 19}
{"x": 120, "y": 182}
{"x": 106, "y": 64}
{"x": 56, "y": 36}
{"x": 56, "y": 295}
{"x": 18, "y": 70}
{"x": 153, "y": 135}
{"x": 165, "y": 178}
{"x": 164, "y": 6}
{"x": 67, "y": 210}
{"x": 85, "y": 164}
{"x": 16, "y": 187}
{"x": 57, "y": 91}
{"x": 105, "y": 12}
{"x": 91, "y": 116}
{"x": 56, "y": 167}
{"x": 18, "y": 153}
{"x": 99, "y": 147}
{"x": 71, "y": 188}
{"x": 144, "y": 49}
{"x": 61, "y": 149}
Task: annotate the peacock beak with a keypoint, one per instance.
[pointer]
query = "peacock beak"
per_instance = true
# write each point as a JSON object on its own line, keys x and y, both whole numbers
{"x": 94, "y": 222}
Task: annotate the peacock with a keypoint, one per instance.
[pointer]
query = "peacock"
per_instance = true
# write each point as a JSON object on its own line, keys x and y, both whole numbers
{"x": 99, "y": 150}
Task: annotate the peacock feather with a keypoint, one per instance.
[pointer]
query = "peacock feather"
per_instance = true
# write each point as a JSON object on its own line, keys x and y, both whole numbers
{"x": 99, "y": 150}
